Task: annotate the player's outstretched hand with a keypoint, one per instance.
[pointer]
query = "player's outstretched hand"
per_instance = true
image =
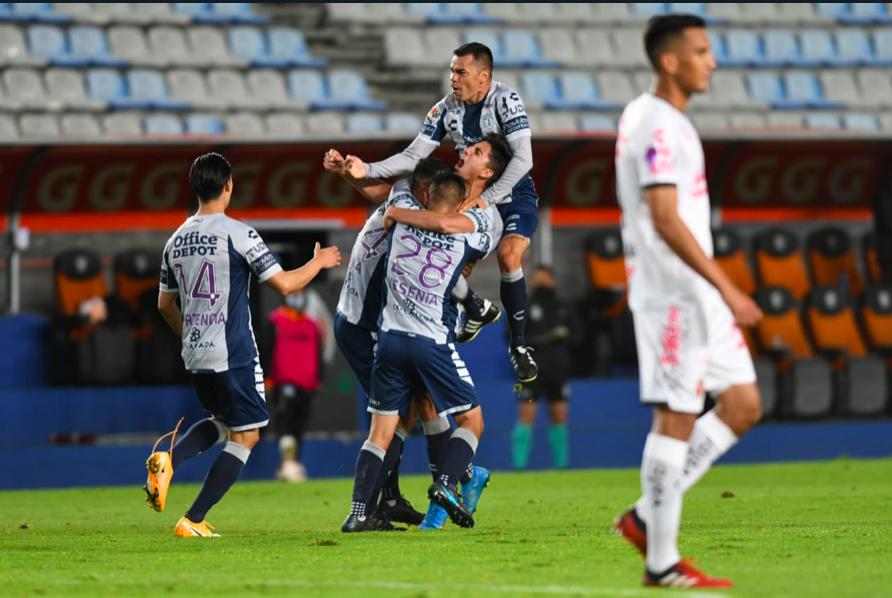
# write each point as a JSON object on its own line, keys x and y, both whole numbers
{"x": 354, "y": 167}
{"x": 333, "y": 161}
{"x": 329, "y": 257}
{"x": 745, "y": 310}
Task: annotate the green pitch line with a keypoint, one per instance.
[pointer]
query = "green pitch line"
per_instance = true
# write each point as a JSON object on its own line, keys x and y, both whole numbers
{"x": 815, "y": 529}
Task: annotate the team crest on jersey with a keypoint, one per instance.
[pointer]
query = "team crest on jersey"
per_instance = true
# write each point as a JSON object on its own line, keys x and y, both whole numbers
{"x": 194, "y": 335}
{"x": 434, "y": 113}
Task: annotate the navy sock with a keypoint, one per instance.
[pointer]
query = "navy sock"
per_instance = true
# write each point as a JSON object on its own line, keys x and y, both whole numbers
{"x": 368, "y": 468}
{"x": 460, "y": 453}
{"x": 200, "y": 437}
{"x": 468, "y": 474}
{"x": 223, "y": 474}
{"x": 513, "y": 292}
{"x": 392, "y": 458}
{"x": 473, "y": 304}
{"x": 437, "y": 433}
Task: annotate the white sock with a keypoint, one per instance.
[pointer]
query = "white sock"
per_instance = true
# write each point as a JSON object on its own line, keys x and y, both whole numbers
{"x": 661, "y": 471}
{"x": 710, "y": 439}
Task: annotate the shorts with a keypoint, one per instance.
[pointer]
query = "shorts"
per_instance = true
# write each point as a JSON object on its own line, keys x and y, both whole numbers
{"x": 520, "y": 216}
{"x": 687, "y": 349}
{"x": 358, "y": 346}
{"x": 552, "y": 389}
{"x": 405, "y": 363}
{"x": 235, "y": 397}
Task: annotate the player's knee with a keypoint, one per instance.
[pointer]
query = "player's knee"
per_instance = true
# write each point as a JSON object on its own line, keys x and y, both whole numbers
{"x": 745, "y": 410}
{"x": 247, "y": 438}
{"x": 510, "y": 258}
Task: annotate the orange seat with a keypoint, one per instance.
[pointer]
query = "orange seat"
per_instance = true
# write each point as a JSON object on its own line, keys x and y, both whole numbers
{"x": 871, "y": 261}
{"x": 877, "y": 317}
{"x": 78, "y": 277}
{"x": 607, "y": 267}
{"x": 781, "y": 326}
{"x": 832, "y": 322}
{"x": 779, "y": 262}
{"x": 729, "y": 255}
{"x": 136, "y": 272}
{"x": 832, "y": 260}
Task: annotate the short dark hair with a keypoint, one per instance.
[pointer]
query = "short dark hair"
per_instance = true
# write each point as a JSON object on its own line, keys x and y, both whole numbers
{"x": 208, "y": 175}
{"x": 447, "y": 187}
{"x": 499, "y": 155}
{"x": 661, "y": 28}
{"x": 482, "y": 54}
{"x": 425, "y": 171}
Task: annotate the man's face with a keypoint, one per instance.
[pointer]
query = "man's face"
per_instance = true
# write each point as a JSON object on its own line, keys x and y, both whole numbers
{"x": 693, "y": 60}
{"x": 474, "y": 162}
{"x": 469, "y": 82}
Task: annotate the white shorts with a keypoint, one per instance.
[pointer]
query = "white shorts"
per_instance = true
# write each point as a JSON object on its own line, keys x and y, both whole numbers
{"x": 687, "y": 349}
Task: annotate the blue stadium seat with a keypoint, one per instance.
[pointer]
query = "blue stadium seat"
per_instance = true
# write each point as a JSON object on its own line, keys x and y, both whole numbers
{"x": 781, "y": 48}
{"x": 234, "y": 12}
{"x": 490, "y": 39}
{"x": 539, "y": 88}
{"x": 867, "y": 13}
{"x": 854, "y": 48}
{"x": 308, "y": 87}
{"x": 882, "y": 44}
{"x": 743, "y": 48}
{"x": 364, "y": 123}
{"x": 35, "y": 12}
{"x": 249, "y": 43}
{"x": 818, "y": 48}
{"x": 148, "y": 88}
{"x": 192, "y": 9}
{"x": 803, "y": 88}
{"x": 461, "y": 13}
{"x": 162, "y": 124}
{"x": 579, "y": 92}
{"x": 426, "y": 10}
{"x": 646, "y": 10}
{"x": 860, "y": 122}
{"x": 521, "y": 48}
{"x": 596, "y": 122}
{"x": 822, "y": 121}
{"x": 833, "y": 10}
{"x": 89, "y": 44}
{"x": 717, "y": 45}
{"x": 766, "y": 87}
{"x": 204, "y": 124}
{"x": 347, "y": 89}
{"x": 288, "y": 44}
{"x": 48, "y": 42}
{"x": 108, "y": 86}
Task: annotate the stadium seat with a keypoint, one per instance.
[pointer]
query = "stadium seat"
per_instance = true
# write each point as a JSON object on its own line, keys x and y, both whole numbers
{"x": 364, "y": 123}
{"x": 209, "y": 45}
{"x": 615, "y": 87}
{"x": 80, "y": 126}
{"x": 607, "y": 269}
{"x": 88, "y": 43}
{"x": 13, "y": 48}
{"x": 877, "y": 318}
{"x": 578, "y": 92}
{"x": 539, "y": 89}
{"x": 593, "y": 47}
{"x": 730, "y": 255}
{"x": 779, "y": 261}
{"x": 9, "y": 130}
{"x": 646, "y": 10}
{"x": 404, "y": 47}
{"x": 78, "y": 277}
{"x": 147, "y": 13}
{"x": 861, "y": 386}
{"x": 866, "y": 13}
{"x": 122, "y": 124}
{"x": 822, "y": 120}
{"x": 565, "y": 122}
{"x": 268, "y": 87}
{"x": 249, "y": 43}
{"x": 804, "y": 90}
{"x": 25, "y": 88}
{"x": 169, "y": 44}
{"x": 203, "y": 124}
{"x": 322, "y": 123}
{"x": 288, "y": 43}
{"x": 869, "y": 255}
{"x": 743, "y": 48}
{"x": 747, "y": 121}
{"x": 39, "y": 126}
{"x": 612, "y": 12}
{"x": 441, "y": 37}
{"x": 386, "y": 12}
{"x": 129, "y": 43}
{"x": 818, "y": 48}
{"x": 874, "y": 85}
{"x": 135, "y": 272}
{"x": 728, "y": 90}
{"x": 766, "y": 380}
{"x": 558, "y": 47}
{"x": 785, "y": 120}
{"x": 229, "y": 86}
{"x": 832, "y": 260}
{"x": 162, "y": 124}
{"x": 781, "y": 48}
{"x": 245, "y": 124}
{"x": 307, "y": 87}
{"x": 189, "y": 86}
{"x": 287, "y": 124}
{"x": 597, "y": 123}
{"x": 627, "y": 50}
{"x": 765, "y": 87}
{"x": 148, "y": 90}
{"x": 839, "y": 86}
{"x": 233, "y": 12}
{"x": 833, "y": 10}
{"x": 347, "y": 89}
{"x": 48, "y": 43}
{"x": 520, "y": 48}
{"x": 854, "y": 48}
{"x": 402, "y": 122}
{"x": 805, "y": 386}
{"x": 36, "y": 12}
{"x": 464, "y": 13}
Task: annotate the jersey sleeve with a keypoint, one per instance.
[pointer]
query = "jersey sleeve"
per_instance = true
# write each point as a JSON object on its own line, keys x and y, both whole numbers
{"x": 433, "y": 128}
{"x": 512, "y": 114}
{"x": 480, "y": 241}
{"x": 401, "y": 195}
{"x": 657, "y": 154}
{"x": 169, "y": 283}
{"x": 249, "y": 245}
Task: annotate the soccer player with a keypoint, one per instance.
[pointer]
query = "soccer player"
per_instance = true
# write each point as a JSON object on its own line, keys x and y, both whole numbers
{"x": 686, "y": 310}
{"x": 415, "y": 342}
{"x": 476, "y": 107}
{"x": 207, "y": 264}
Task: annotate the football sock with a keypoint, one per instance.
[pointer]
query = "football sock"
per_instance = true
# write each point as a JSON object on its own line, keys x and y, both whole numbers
{"x": 521, "y": 444}
{"x": 459, "y": 454}
{"x": 200, "y": 437}
{"x": 468, "y": 474}
{"x": 223, "y": 474}
{"x": 436, "y": 432}
{"x": 513, "y": 292}
{"x": 661, "y": 471}
{"x": 390, "y": 491}
{"x": 460, "y": 290}
{"x": 368, "y": 468}
{"x": 558, "y": 440}
{"x": 710, "y": 439}
{"x": 473, "y": 304}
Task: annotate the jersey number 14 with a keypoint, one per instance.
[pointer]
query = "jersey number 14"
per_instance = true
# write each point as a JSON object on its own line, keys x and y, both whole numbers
{"x": 205, "y": 284}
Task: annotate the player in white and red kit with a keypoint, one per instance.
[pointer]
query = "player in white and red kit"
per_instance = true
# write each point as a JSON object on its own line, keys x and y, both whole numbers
{"x": 686, "y": 310}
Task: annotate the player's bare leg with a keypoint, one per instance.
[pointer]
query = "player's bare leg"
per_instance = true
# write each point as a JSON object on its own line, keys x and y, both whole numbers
{"x": 513, "y": 292}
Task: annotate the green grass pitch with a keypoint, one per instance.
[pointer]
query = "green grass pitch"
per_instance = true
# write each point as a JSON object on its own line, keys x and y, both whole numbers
{"x": 814, "y": 529}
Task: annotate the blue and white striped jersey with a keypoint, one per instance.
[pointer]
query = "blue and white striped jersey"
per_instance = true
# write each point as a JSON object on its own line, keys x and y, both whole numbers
{"x": 209, "y": 261}
{"x": 360, "y": 300}
{"x": 421, "y": 270}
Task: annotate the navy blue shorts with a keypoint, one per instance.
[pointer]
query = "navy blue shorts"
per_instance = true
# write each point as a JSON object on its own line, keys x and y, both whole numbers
{"x": 235, "y": 397}
{"x": 358, "y": 346}
{"x": 520, "y": 216}
{"x": 406, "y": 363}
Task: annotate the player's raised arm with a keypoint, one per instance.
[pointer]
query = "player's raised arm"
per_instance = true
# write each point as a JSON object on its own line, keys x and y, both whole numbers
{"x": 374, "y": 190}
{"x": 516, "y": 129}
{"x": 288, "y": 281}
{"x": 663, "y": 203}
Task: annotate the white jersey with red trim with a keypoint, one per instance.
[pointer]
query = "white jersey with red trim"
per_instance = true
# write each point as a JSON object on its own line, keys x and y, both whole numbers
{"x": 657, "y": 145}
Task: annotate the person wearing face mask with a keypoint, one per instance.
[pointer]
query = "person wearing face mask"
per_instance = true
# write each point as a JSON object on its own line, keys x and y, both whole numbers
{"x": 549, "y": 331}
{"x": 295, "y": 377}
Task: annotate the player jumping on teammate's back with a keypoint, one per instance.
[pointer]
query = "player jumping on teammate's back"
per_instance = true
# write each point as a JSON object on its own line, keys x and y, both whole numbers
{"x": 685, "y": 308}
{"x": 207, "y": 264}
{"x": 476, "y": 107}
